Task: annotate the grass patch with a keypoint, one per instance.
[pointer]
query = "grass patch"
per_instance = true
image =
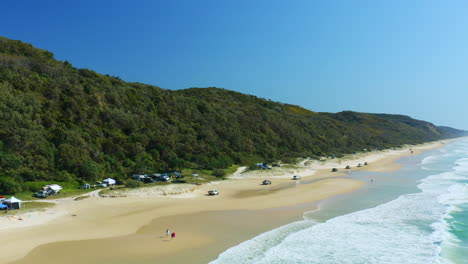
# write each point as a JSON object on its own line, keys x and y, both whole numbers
{"x": 70, "y": 192}
{"x": 36, "y": 205}
{"x": 206, "y": 175}
{"x": 265, "y": 171}
{"x": 26, "y": 196}
{"x": 289, "y": 166}
{"x": 111, "y": 193}
{"x": 161, "y": 183}
{"x": 29, "y": 196}
{"x": 201, "y": 179}
{"x": 231, "y": 170}
{"x": 30, "y": 207}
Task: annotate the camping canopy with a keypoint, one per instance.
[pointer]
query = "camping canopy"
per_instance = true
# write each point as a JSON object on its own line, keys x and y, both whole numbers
{"x": 55, "y": 187}
{"x": 109, "y": 181}
{"x": 13, "y": 203}
{"x": 12, "y": 200}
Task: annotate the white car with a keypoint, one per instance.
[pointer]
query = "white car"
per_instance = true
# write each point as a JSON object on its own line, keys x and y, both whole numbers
{"x": 295, "y": 177}
{"x": 213, "y": 192}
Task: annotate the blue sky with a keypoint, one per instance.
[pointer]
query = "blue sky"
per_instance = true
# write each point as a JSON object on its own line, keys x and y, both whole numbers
{"x": 405, "y": 57}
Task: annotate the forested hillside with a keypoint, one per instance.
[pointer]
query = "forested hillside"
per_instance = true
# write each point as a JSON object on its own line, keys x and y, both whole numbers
{"x": 67, "y": 124}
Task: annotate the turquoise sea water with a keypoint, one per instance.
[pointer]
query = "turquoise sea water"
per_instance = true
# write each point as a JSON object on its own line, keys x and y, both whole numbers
{"x": 418, "y": 214}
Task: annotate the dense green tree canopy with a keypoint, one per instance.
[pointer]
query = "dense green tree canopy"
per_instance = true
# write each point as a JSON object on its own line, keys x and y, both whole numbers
{"x": 66, "y": 124}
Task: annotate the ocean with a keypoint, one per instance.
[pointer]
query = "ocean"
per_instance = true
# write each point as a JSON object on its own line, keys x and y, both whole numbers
{"x": 418, "y": 214}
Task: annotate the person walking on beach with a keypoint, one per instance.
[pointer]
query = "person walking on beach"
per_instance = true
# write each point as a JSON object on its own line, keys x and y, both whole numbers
{"x": 172, "y": 235}
{"x": 168, "y": 232}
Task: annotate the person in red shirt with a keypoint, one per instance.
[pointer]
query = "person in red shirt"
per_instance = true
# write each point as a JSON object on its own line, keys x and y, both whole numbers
{"x": 173, "y": 235}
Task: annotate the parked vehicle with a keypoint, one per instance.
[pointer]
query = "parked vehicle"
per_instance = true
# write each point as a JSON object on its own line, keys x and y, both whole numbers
{"x": 359, "y": 165}
{"x": 139, "y": 177}
{"x": 295, "y": 177}
{"x": 334, "y": 170}
{"x": 213, "y": 192}
{"x": 49, "y": 190}
{"x": 263, "y": 166}
{"x": 43, "y": 193}
{"x": 266, "y": 182}
{"x": 164, "y": 178}
{"x": 149, "y": 180}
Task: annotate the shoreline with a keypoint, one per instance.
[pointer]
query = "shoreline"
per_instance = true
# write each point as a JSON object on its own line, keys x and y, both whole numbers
{"x": 206, "y": 226}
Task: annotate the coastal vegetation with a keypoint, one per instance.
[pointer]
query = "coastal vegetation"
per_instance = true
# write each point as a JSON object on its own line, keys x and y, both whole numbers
{"x": 64, "y": 124}
{"x": 27, "y": 190}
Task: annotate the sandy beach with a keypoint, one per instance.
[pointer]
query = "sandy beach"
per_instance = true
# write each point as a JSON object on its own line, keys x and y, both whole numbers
{"x": 131, "y": 229}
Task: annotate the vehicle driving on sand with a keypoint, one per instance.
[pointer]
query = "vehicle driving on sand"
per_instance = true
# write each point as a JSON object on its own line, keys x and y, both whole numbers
{"x": 213, "y": 192}
{"x": 266, "y": 182}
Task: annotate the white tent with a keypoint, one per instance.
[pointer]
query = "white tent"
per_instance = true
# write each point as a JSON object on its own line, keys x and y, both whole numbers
{"x": 55, "y": 187}
{"x": 13, "y": 203}
{"x": 109, "y": 181}
{"x": 13, "y": 200}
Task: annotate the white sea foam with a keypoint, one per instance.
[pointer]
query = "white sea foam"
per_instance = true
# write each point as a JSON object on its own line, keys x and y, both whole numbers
{"x": 410, "y": 229}
{"x": 255, "y": 249}
{"x": 431, "y": 159}
{"x": 384, "y": 234}
{"x": 437, "y": 162}
{"x": 461, "y": 167}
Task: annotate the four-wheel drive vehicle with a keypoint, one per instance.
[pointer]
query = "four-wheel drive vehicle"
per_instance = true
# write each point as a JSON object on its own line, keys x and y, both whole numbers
{"x": 266, "y": 182}
{"x": 43, "y": 193}
{"x": 213, "y": 192}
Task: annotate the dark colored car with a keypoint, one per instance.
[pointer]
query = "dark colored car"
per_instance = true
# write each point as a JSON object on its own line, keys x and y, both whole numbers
{"x": 266, "y": 182}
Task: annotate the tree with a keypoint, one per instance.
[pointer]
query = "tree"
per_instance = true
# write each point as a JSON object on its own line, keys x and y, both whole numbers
{"x": 90, "y": 170}
{"x": 63, "y": 123}
{"x": 133, "y": 184}
{"x": 219, "y": 173}
{"x": 9, "y": 186}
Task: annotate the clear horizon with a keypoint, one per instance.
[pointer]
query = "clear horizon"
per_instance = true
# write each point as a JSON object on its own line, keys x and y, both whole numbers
{"x": 393, "y": 57}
